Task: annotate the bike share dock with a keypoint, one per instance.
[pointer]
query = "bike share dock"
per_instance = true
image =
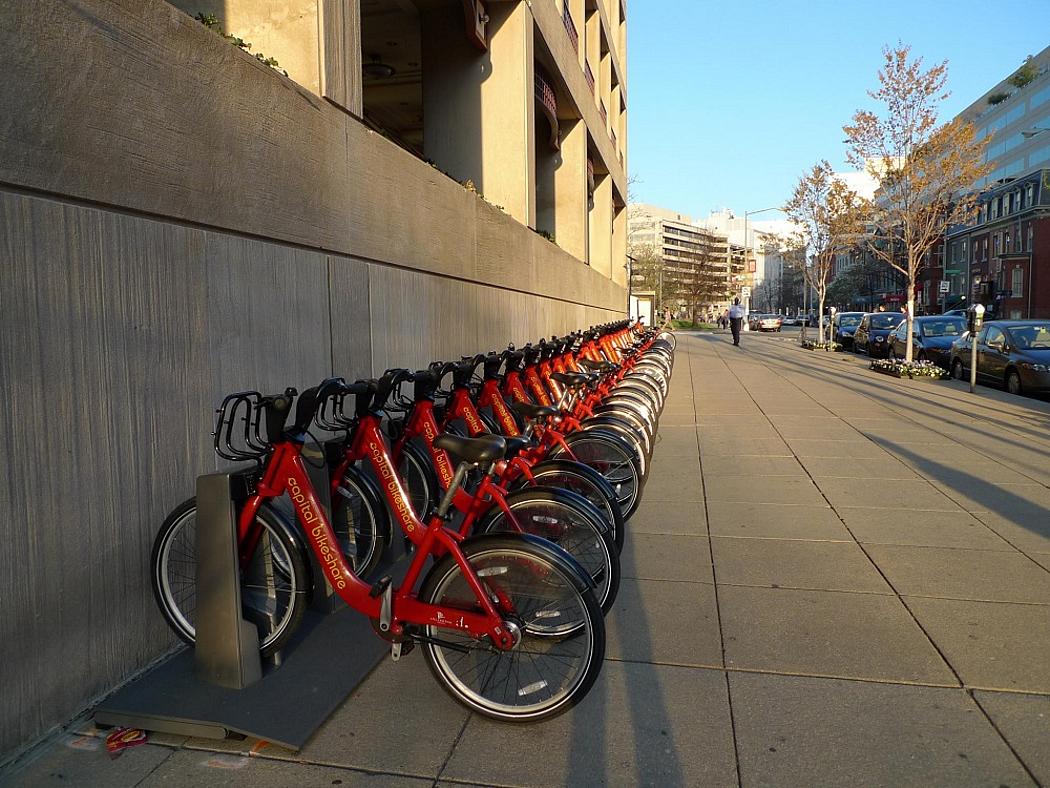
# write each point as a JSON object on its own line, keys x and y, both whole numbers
{"x": 222, "y": 686}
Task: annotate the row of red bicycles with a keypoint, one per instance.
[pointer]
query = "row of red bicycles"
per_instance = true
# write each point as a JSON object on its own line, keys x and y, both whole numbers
{"x": 507, "y": 479}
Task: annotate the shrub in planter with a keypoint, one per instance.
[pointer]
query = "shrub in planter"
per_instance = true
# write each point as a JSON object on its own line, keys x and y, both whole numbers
{"x": 916, "y": 370}
{"x": 812, "y": 344}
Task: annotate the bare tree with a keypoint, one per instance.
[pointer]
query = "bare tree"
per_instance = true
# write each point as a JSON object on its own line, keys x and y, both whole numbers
{"x": 829, "y": 217}
{"x": 647, "y": 271}
{"x": 927, "y": 171}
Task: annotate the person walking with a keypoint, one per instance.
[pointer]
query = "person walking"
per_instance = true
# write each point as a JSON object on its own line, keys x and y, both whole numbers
{"x": 736, "y": 318}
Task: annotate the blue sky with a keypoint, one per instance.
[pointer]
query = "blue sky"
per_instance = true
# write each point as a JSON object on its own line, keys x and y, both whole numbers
{"x": 729, "y": 101}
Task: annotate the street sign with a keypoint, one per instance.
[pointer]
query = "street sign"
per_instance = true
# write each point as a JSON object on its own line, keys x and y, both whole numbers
{"x": 945, "y": 286}
{"x": 745, "y": 291}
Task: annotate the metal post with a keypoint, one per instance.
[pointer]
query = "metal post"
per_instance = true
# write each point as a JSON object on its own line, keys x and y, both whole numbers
{"x": 976, "y": 318}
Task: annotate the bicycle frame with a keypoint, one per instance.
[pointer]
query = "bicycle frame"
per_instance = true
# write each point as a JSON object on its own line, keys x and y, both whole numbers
{"x": 286, "y": 472}
{"x": 366, "y": 443}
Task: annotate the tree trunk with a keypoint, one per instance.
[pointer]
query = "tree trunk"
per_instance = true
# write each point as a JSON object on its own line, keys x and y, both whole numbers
{"x": 910, "y": 316}
{"x": 820, "y": 312}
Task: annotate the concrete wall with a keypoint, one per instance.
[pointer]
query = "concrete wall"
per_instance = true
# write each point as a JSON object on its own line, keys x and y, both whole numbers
{"x": 178, "y": 221}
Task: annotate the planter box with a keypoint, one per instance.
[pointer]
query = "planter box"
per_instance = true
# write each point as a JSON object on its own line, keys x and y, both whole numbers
{"x": 896, "y": 373}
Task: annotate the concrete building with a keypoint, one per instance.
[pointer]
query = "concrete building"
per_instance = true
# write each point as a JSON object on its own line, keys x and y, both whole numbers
{"x": 179, "y": 220}
{"x": 699, "y": 271}
{"x": 1002, "y": 258}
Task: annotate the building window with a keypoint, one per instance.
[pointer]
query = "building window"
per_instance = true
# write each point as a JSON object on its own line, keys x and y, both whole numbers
{"x": 1028, "y": 197}
{"x": 1031, "y": 231}
{"x": 995, "y": 208}
{"x": 998, "y": 243}
{"x": 965, "y": 251}
{"x": 1017, "y": 284}
{"x": 1006, "y": 244}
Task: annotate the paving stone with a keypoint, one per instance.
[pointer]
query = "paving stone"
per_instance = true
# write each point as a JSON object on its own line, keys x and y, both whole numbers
{"x": 760, "y": 447}
{"x": 912, "y": 495}
{"x": 198, "y": 768}
{"x": 991, "y": 645}
{"x": 664, "y": 622}
{"x": 676, "y": 478}
{"x": 372, "y": 730}
{"x": 1030, "y": 536}
{"x": 927, "y": 529}
{"x": 796, "y": 490}
{"x": 1024, "y": 720}
{"x": 850, "y": 449}
{"x": 872, "y": 470}
{"x": 828, "y": 732}
{"x": 753, "y": 430}
{"x": 640, "y": 725}
{"x": 775, "y": 521}
{"x": 1021, "y": 503}
{"x": 963, "y": 574}
{"x": 674, "y": 443}
{"x": 655, "y": 516}
{"x": 77, "y": 759}
{"x": 714, "y": 467}
{"x": 781, "y": 563}
{"x": 665, "y": 557}
{"x": 826, "y": 633}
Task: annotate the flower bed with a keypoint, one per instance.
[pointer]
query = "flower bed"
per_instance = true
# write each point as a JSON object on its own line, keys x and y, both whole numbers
{"x": 810, "y": 344}
{"x": 916, "y": 370}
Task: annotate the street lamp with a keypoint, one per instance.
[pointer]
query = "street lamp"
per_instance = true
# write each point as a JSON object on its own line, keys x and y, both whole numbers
{"x": 747, "y": 246}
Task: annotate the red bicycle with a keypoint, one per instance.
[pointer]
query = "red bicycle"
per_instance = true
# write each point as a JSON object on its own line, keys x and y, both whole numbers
{"x": 508, "y": 623}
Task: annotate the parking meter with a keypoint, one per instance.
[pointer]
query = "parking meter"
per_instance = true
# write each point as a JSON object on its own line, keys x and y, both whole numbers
{"x": 831, "y": 324}
{"x": 975, "y": 317}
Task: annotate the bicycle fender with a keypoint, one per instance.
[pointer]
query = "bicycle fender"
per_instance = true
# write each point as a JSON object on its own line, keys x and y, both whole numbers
{"x": 550, "y": 551}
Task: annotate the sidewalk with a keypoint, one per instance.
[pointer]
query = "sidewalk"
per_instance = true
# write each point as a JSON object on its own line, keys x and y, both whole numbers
{"x": 836, "y": 578}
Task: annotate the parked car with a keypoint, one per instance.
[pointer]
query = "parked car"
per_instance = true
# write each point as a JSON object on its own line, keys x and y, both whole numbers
{"x": 956, "y": 313}
{"x": 843, "y": 326}
{"x": 932, "y": 338}
{"x": 1010, "y": 353}
{"x": 769, "y": 322}
{"x": 871, "y": 335}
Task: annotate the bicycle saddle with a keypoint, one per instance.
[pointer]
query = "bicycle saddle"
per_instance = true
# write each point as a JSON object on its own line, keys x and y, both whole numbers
{"x": 483, "y": 449}
{"x": 515, "y": 445}
{"x": 598, "y": 366}
{"x": 570, "y": 378}
{"x": 530, "y": 411}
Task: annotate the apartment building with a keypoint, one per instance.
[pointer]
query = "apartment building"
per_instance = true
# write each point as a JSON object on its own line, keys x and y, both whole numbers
{"x": 1002, "y": 257}
{"x": 698, "y": 271}
{"x": 414, "y": 180}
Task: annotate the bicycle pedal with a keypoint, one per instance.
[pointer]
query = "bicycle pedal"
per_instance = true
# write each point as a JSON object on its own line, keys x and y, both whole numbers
{"x": 398, "y": 650}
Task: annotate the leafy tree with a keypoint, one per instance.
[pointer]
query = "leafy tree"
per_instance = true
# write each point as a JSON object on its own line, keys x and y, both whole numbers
{"x": 829, "y": 217}
{"x": 1025, "y": 74}
{"x": 926, "y": 170}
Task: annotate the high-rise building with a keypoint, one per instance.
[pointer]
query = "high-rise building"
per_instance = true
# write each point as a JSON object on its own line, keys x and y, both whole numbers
{"x": 1002, "y": 257}
{"x": 697, "y": 272}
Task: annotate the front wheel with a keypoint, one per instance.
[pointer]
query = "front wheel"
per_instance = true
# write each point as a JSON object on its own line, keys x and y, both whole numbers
{"x": 551, "y": 668}
{"x": 1013, "y": 382}
{"x": 275, "y": 581}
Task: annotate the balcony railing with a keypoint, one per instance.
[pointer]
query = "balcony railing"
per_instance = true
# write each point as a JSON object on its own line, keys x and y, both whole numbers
{"x": 548, "y": 101}
{"x": 589, "y": 76}
{"x": 570, "y": 27}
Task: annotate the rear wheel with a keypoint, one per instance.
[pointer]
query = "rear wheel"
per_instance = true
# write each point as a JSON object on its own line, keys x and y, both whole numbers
{"x": 274, "y": 584}
{"x": 612, "y": 458}
{"x": 552, "y": 667}
{"x": 568, "y": 521}
{"x": 584, "y": 480}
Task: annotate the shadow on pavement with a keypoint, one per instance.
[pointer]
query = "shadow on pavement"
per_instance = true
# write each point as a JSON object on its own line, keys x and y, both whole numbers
{"x": 996, "y": 498}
